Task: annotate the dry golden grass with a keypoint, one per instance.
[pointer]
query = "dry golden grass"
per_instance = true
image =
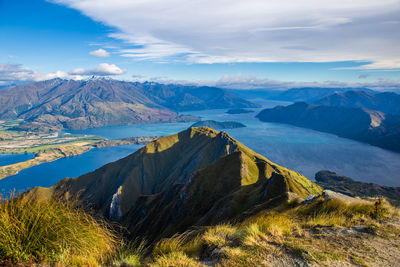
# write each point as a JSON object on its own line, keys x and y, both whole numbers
{"x": 52, "y": 231}
{"x": 287, "y": 229}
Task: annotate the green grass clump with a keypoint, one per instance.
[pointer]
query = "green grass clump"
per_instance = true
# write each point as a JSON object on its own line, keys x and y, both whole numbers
{"x": 176, "y": 259}
{"x": 220, "y": 235}
{"x": 52, "y": 231}
{"x": 130, "y": 254}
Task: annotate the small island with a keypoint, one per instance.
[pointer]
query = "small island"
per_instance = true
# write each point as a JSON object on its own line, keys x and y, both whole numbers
{"x": 239, "y": 111}
{"x": 219, "y": 124}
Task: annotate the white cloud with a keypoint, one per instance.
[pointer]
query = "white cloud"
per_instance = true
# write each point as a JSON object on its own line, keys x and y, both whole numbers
{"x": 212, "y": 31}
{"x": 99, "y": 53}
{"x": 103, "y": 69}
{"x": 16, "y": 73}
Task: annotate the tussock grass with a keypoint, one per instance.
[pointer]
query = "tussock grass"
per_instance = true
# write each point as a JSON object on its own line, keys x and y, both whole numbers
{"x": 176, "y": 259}
{"x": 131, "y": 253}
{"x": 287, "y": 229}
{"x": 189, "y": 242}
{"x": 220, "y": 235}
{"x": 338, "y": 213}
{"x": 52, "y": 231}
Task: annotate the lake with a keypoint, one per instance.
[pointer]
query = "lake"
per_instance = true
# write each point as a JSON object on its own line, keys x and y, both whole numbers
{"x": 47, "y": 174}
{"x": 8, "y": 159}
{"x": 303, "y": 150}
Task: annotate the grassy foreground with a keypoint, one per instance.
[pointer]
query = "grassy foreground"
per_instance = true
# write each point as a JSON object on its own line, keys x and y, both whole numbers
{"x": 323, "y": 232}
{"x": 52, "y": 231}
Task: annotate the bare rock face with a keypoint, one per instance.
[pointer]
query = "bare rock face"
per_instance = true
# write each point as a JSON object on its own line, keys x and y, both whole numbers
{"x": 196, "y": 177}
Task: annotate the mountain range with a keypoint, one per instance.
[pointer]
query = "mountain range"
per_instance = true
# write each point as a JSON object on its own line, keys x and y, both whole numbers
{"x": 306, "y": 94}
{"x": 387, "y": 102}
{"x": 70, "y": 104}
{"x": 196, "y": 177}
{"x": 370, "y": 126}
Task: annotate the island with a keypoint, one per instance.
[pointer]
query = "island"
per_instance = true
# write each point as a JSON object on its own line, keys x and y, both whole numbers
{"x": 239, "y": 111}
{"x": 219, "y": 124}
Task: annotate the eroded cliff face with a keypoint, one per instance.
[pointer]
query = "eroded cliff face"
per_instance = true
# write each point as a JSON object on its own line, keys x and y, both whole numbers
{"x": 196, "y": 177}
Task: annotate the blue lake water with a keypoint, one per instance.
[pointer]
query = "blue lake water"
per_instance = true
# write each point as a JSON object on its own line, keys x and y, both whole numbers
{"x": 303, "y": 150}
{"x": 47, "y": 174}
{"x": 7, "y": 159}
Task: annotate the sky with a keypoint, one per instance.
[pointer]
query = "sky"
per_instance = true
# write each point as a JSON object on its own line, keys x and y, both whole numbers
{"x": 228, "y": 43}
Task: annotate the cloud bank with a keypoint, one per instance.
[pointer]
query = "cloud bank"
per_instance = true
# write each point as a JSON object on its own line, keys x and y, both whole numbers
{"x": 222, "y": 31}
{"x": 12, "y": 73}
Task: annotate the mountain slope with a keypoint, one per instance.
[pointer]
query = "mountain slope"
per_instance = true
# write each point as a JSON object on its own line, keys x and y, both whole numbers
{"x": 183, "y": 98}
{"x": 364, "y": 125}
{"x": 386, "y": 102}
{"x": 69, "y": 104}
{"x": 196, "y": 177}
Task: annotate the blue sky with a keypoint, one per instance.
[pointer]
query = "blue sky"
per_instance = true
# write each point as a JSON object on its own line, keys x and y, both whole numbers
{"x": 260, "y": 44}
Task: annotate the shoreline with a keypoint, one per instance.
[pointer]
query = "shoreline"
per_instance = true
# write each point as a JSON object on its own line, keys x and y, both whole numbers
{"x": 58, "y": 151}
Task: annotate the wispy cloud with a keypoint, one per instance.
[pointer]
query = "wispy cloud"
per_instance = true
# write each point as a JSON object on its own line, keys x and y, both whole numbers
{"x": 215, "y": 31}
{"x": 99, "y": 53}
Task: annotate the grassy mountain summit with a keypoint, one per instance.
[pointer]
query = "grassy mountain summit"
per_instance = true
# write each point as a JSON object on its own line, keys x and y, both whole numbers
{"x": 196, "y": 177}
{"x": 70, "y": 104}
